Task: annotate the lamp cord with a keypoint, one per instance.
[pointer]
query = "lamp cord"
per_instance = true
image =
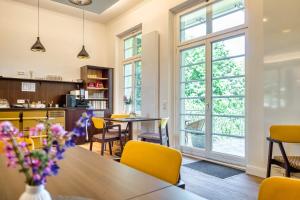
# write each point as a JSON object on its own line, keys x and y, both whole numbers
{"x": 38, "y": 18}
{"x": 83, "y": 17}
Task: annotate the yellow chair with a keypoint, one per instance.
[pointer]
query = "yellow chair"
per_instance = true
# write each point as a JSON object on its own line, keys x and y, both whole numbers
{"x": 283, "y": 134}
{"x": 162, "y": 137}
{"x": 279, "y": 188}
{"x": 99, "y": 132}
{"x": 28, "y": 141}
{"x": 153, "y": 159}
{"x": 1, "y": 147}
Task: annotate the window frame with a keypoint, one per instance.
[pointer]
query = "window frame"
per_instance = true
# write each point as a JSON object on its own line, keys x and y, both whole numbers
{"x": 131, "y": 60}
{"x": 177, "y": 27}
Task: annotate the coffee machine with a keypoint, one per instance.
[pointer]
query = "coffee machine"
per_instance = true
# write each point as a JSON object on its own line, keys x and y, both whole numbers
{"x": 77, "y": 98}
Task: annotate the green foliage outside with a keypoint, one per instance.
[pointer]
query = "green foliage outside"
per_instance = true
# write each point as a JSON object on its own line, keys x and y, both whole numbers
{"x": 193, "y": 74}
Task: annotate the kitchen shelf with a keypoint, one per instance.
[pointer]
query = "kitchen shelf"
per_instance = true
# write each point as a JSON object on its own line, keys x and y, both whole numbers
{"x": 103, "y": 77}
{"x": 100, "y": 79}
{"x": 91, "y": 88}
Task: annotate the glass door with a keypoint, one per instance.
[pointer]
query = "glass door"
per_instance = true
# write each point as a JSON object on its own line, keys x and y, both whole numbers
{"x": 228, "y": 96}
{"x": 212, "y": 98}
{"x": 211, "y": 49}
{"x": 192, "y": 96}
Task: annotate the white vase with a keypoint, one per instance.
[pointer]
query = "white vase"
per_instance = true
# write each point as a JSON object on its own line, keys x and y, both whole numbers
{"x": 35, "y": 193}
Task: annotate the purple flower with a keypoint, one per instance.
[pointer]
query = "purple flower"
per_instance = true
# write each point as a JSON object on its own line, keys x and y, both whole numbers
{"x": 40, "y": 127}
{"x": 57, "y": 130}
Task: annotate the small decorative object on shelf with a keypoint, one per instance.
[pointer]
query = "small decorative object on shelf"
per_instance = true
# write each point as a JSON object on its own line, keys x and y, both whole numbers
{"x": 37, "y": 164}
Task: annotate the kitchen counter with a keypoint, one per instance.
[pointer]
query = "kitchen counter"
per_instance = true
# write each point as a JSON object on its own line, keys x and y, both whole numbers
{"x": 29, "y": 109}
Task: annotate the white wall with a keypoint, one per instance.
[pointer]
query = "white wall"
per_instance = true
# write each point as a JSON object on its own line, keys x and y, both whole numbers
{"x": 60, "y": 34}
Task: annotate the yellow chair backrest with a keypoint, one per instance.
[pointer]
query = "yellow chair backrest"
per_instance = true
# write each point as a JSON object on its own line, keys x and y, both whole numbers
{"x": 164, "y": 122}
{"x": 279, "y": 188}
{"x": 99, "y": 123}
{"x": 38, "y": 141}
{"x": 1, "y": 147}
{"x": 153, "y": 159}
{"x": 28, "y": 141}
{"x": 119, "y": 116}
{"x": 285, "y": 133}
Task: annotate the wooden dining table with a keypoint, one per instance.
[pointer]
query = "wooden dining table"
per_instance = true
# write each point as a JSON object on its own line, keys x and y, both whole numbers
{"x": 85, "y": 175}
{"x": 130, "y": 122}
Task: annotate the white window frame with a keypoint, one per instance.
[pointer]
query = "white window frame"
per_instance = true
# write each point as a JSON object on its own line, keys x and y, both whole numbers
{"x": 207, "y": 40}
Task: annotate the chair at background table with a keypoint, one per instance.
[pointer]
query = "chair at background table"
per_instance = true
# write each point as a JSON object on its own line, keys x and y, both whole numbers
{"x": 279, "y": 188}
{"x": 124, "y": 131}
{"x": 162, "y": 137}
{"x": 99, "y": 133}
{"x": 193, "y": 126}
{"x": 283, "y": 134}
{"x": 156, "y": 160}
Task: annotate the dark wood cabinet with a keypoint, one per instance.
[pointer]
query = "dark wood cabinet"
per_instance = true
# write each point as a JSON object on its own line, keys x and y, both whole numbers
{"x": 72, "y": 116}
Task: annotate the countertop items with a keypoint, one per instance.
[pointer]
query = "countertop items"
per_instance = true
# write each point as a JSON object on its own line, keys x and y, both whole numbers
{"x": 4, "y": 103}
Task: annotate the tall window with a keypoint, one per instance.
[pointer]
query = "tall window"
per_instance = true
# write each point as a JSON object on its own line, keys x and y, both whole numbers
{"x": 132, "y": 73}
{"x": 211, "y": 47}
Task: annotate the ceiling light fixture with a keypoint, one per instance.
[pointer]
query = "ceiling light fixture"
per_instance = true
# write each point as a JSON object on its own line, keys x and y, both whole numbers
{"x": 38, "y": 46}
{"x": 81, "y": 2}
{"x": 83, "y": 54}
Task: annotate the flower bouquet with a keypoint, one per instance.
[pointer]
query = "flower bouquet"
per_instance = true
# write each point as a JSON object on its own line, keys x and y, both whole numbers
{"x": 37, "y": 164}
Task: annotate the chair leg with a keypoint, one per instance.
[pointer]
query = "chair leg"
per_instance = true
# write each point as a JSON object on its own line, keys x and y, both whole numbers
{"x": 287, "y": 172}
{"x": 102, "y": 148}
{"x": 168, "y": 142}
{"x": 270, "y": 159}
{"x": 110, "y": 148}
{"x": 91, "y": 146}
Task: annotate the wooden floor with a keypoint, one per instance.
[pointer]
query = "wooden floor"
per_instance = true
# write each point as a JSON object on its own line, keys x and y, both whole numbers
{"x": 239, "y": 187}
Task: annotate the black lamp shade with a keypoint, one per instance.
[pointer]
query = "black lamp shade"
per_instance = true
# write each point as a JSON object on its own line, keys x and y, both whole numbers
{"x": 38, "y": 47}
{"x": 83, "y": 54}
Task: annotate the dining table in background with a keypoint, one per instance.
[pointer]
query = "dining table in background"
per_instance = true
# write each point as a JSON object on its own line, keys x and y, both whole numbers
{"x": 130, "y": 122}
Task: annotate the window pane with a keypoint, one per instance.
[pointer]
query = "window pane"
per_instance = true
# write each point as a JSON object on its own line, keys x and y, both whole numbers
{"x": 194, "y": 72}
{"x": 128, "y": 81}
{"x": 129, "y": 43}
{"x": 229, "y": 48}
{"x": 192, "y": 25}
{"x": 228, "y": 14}
{"x": 228, "y": 101}
{"x": 193, "y": 32}
{"x": 128, "y": 93}
{"x": 127, "y": 70}
{"x": 128, "y": 53}
{"x": 192, "y": 92}
{"x": 229, "y": 67}
{"x": 193, "y": 130}
{"x": 228, "y": 87}
{"x": 139, "y": 44}
{"x": 193, "y": 89}
{"x": 138, "y": 74}
{"x": 229, "y": 106}
{"x": 194, "y": 55}
{"x": 193, "y": 106}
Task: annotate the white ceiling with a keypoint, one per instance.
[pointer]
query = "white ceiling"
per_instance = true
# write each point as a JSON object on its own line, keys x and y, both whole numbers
{"x": 98, "y": 6}
{"x": 114, "y": 8}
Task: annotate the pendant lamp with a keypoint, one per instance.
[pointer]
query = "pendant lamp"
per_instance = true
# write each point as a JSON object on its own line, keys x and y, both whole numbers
{"x": 83, "y": 54}
{"x": 38, "y": 46}
{"x": 81, "y": 2}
